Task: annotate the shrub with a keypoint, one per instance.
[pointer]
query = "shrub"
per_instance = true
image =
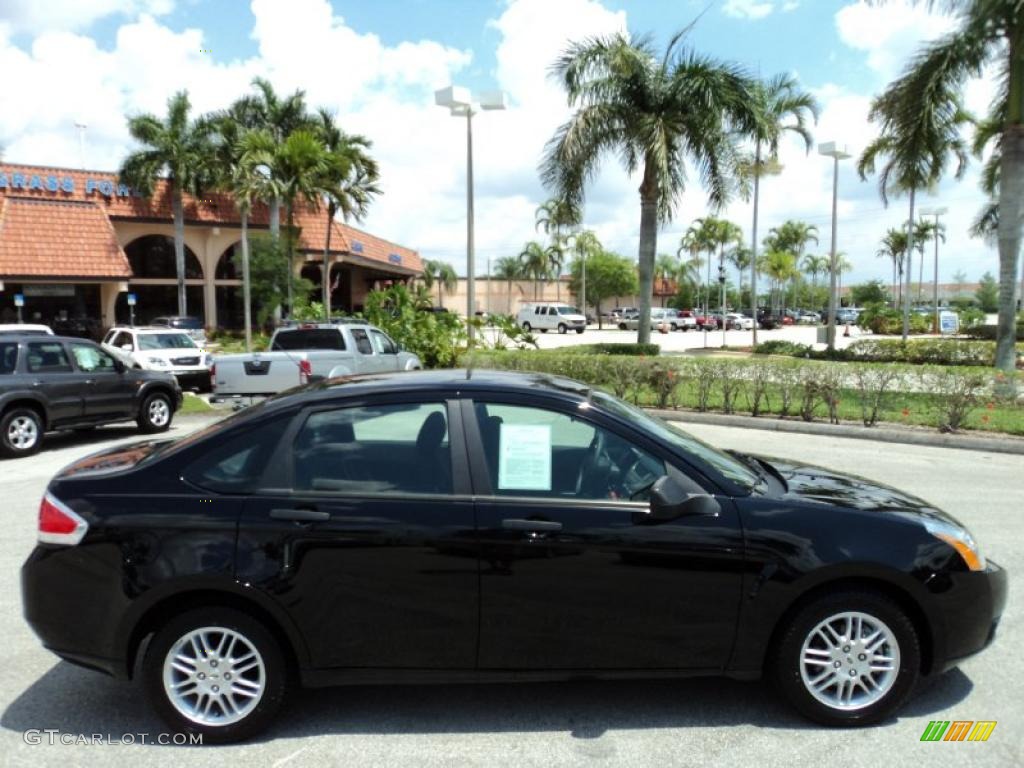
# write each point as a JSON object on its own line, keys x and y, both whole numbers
{"x": 761, "y": 376}
{"x": 629, "y": 349}
{"x": 781, "y": 347}
{"x": 731, "y": 382}
{"x": 920, "y": 351}
{"x": 872, "y": 384}
{"x": 989, "y": 332}
{"x": 954, "y": 395}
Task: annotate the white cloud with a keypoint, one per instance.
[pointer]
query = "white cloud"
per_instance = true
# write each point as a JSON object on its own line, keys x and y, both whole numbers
{"x": 748, "y": 9}
{"x": 35, "y": 16}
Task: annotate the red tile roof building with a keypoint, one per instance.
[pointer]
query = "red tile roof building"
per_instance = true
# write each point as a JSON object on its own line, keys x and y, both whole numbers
{"x": 80, "y": 241}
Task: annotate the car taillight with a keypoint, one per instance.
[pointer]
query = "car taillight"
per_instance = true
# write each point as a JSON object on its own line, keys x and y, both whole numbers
{"x": 58, "y": 523}
{"x": 213, "y": 377}
{"x": 305, "y": 371}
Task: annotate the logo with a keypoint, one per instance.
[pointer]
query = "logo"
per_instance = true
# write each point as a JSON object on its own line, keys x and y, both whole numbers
{"x": 958, "y": 730}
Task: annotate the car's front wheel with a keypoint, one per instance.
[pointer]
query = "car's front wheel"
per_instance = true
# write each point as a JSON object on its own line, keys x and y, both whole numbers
{"x": 156, "y": 413}
{"x": 848, "y": 658}
{"x": 562, "y": 328}
{"x": 215, "y": 672}
{"x": 21, "y": 432}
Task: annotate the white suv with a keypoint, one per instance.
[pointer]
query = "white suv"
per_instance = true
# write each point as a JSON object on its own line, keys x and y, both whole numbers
{"x": 163, "y": 349}
{"x": 553, "y": 316}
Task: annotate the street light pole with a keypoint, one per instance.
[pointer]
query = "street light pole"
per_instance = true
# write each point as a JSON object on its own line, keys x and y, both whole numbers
{"x": 936, "y": 212}
{"x": 837, "y": 152}
{"x": 81, "y": 144}
{"x": 459, "y": 102}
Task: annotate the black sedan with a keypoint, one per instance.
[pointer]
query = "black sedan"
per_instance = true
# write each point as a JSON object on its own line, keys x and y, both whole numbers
{"x": 438, "y": 526}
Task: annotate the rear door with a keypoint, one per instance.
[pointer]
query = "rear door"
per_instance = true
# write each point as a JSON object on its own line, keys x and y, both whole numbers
{"x": 365, "y": 533}
{"x": 49, "y": 369}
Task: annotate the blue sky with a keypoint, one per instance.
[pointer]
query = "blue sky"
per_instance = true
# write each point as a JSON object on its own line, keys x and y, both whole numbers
{"x": 376, "y": 64}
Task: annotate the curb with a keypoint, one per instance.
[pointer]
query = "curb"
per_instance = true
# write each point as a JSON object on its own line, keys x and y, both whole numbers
{"x": 1012, "y": 445}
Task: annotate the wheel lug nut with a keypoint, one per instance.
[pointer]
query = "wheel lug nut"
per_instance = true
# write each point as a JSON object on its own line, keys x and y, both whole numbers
{"x": 202, "y": 675}
{"x": 862, "y": 656}
{"x": 846, "y": 649}
{"x": 853, "y": 673}
{"x": 837, "y": 664}
{"x": 216, "y": 688}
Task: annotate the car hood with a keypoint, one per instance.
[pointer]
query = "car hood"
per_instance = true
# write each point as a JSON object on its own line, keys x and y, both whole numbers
{"x": 839, "y": 489}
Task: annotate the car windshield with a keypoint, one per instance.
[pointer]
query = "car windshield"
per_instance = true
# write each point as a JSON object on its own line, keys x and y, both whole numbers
{"x": 728, "y": 466}
{"x": 165, "y": 341}
{"x": 567, "y": 310}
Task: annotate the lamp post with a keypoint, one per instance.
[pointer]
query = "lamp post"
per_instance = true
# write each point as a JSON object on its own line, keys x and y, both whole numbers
{"x": 936, "y": 212}
{"x": 460, "y": 103}
{"x": 81, "y": 144}
{"x": 837, "y": 152}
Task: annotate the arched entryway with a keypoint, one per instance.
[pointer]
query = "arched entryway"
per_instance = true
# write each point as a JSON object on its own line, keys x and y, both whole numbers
{"x": 227, "y": 280}
{"x": 154, "y": 280}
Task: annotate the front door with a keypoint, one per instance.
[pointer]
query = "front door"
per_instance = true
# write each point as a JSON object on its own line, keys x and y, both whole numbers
{"x": 367, "y": 359}
{"x": 365, "y": 535}
{"x": 109, "y": 393}
{"x": 573, "y": 576}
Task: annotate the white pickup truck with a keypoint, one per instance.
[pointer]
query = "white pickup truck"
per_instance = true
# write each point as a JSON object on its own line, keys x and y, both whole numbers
{"x": 305, "y": 352}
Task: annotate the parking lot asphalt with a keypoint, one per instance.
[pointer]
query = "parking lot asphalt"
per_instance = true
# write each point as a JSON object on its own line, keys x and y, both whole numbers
{"x": 685, "y": 723}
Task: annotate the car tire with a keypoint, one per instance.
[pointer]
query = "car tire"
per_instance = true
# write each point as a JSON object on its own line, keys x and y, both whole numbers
{"x": 674, "y": 327}
{"x": 156, "y": 413}
{"x": 254, "y": 695}
{"x": 21, "y": 433}
{"x": 526, "y": 327}
{"x": 563, "y": 328}
{"x": 622, "y": 326}
{"x": 580, "y": 330}
{"x": 815, "y": 640}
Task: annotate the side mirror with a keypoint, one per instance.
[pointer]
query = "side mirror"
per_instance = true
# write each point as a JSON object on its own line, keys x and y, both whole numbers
{"x": 119, "y": 366}
{"x": 669, "y": 502}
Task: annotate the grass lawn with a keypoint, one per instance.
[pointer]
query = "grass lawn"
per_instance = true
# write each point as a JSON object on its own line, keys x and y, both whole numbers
{"x": 194, "y": 404}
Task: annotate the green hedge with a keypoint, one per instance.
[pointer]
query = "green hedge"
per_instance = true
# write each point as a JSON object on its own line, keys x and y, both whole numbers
{"x": 914, "y": 351}
{"x": 944, "y": 397}
{"x": 629, "y": 349}
{"x": 988, "y": 332}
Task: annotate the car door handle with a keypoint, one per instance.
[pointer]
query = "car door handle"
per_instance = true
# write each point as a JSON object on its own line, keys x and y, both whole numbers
{"x": 90, "y": 381}
{"x": 531, "y": 526}
{"x": 300, "y": 515}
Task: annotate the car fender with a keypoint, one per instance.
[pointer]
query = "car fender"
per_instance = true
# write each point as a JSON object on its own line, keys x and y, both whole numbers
{"x": 146, "y": 387}
{"x": 34, "y": 397}
{"x": 339, "y": 370}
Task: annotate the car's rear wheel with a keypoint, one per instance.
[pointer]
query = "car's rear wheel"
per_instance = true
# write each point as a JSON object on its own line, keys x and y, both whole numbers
{"x": 562, "y": 328}
{"x": 156, "y": 413}
{"x": 580, "y": 330}
{"x": 21, "y": 432}
{"x": 848, "y": 658}
{"x": 526, "y": 327}
{"x": 215, "y": 672}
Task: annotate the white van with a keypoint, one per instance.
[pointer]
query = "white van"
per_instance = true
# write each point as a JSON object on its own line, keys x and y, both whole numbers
{"x": 550, "y": 316}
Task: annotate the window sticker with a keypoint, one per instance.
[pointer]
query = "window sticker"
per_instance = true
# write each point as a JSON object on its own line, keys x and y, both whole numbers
{"x": 524, "y": 457}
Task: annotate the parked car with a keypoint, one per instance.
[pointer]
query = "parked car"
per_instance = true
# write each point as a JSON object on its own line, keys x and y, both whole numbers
{"x": 807, "y": 317}
{"x": 192, "y": 325}
{"x": 687, "y": 320}
{"x": 163, "y": 349}
{"x": 448, "y": 525}
{"x": 661, "y": 317}
{"x": 737, "y": 322}
{"x": 25, "y": 329}
{"x": 844, "y": 315}
{"x": 550, "y": 316}
{"x": 708, "y": 322}
{"x": 52, "y": 383}
{"x": 300, "y": 353}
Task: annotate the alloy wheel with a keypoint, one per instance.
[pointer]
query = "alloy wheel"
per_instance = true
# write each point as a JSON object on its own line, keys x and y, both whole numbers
{"x": 22, "y": 433}
{"x": 159, "y": 412}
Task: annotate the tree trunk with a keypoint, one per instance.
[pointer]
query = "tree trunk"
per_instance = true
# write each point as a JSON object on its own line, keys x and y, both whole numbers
{"x": 246, "y": 282}
{"x": 753, "y": 238}
{"x": 920, "y": 275}
{"x": 648, "y": 247}
{"x": 275, "y": 217}
{"x": 179, "y": 249}
{"x": 327, "y": 266}
{"x": 1011, "y": 219}
{"x": 291, "y": 262}
{"x": 910, "y": 268}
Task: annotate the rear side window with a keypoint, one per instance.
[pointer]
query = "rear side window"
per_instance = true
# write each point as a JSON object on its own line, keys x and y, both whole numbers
{"x": 308, "y": 338}
{"x": 362, "y": 341}
{"x": 8, "y": 356}
{"x": 236, "y": 464}
{"x": 48, "y": 357}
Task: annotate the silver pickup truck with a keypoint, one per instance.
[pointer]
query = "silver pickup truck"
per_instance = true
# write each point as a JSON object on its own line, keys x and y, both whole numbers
{"x": 306, "y": 352}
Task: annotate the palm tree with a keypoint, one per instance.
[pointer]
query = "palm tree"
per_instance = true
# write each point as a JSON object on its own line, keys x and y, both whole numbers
{"x": 917, "y": 150}
{"x": 585, "y": 244}
{"x": 349, "y": 184}
{"x": 656, "y": 114}
{"x": 987, "y": 35}
{"x": 508, "y": 268}
{"x": 925, "y": 230}
{"x": 534, "y": 263}
{"x": 780, "y": 266}
{"x": 442, "y": 274}
{"x": 814, "y": 266}
{"x": 178, "y": 149}
{"x": 302, "y": 161}
{"x": 894, "y": 248}
{"x": 555, "y": 255}
{"x": 554, "y": 217}
{"x": 695, "y": 241}
{"x": 280, "y": 117}
{"x": 843, "y": 266}
{"x": 739, "y": 256}
{"x": 783, "y": 108}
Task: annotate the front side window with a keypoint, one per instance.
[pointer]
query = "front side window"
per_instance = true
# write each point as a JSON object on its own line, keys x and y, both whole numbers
{"x": 48, "y": 357}
{"x": 375, "y": 449}
{"x": 538, "y": 452}
{"x": 382, "y": 344}
{"x": 90, "y": 359}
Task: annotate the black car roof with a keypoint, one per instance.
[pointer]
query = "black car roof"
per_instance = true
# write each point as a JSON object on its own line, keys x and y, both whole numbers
{"x": 40, "y": 337}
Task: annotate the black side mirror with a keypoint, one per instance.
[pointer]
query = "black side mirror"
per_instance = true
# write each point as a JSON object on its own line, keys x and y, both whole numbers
{"x": 669, "y": 502}
{"x": 119, "y": 366}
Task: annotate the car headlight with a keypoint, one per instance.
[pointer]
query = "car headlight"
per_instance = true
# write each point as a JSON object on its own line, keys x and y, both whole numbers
{"x": 156, "y": 362}
{"x": 208, "y": 360}
{"x": 959, "y": 538}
